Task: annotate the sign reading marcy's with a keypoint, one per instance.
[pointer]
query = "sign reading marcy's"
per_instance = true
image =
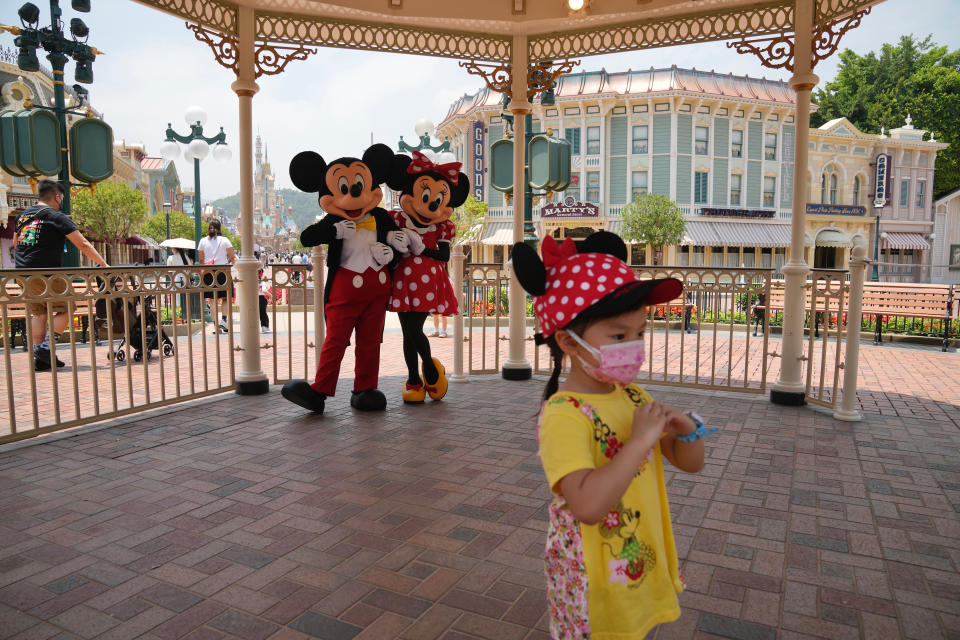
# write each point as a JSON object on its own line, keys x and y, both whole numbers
{"x": 569, "y": 208}
{"x": 837, "y": 209}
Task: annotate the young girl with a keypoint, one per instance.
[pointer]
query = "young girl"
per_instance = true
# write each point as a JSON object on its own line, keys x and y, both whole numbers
{"x": 612, "y": 568}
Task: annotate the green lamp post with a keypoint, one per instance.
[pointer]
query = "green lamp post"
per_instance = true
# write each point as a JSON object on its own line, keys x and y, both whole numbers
{"x": 424, "y": 129}
{"x": 59, "y": 50}
{"x": 198, "y": 146}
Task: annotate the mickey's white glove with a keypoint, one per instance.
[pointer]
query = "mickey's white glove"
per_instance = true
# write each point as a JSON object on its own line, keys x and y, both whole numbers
{"x": 416, "y": 242}
{"x": 343, "y": 227}
{"x": 382, "y": 254}
{"x": 398, "y": 240}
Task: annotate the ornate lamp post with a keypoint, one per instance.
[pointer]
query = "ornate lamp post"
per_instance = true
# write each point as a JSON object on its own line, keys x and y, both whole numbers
{"x": 198, "y": 147}
{"x": 875, "y": 276}
{"x": 59, "y": 50}
{"x": 424, "y": 128}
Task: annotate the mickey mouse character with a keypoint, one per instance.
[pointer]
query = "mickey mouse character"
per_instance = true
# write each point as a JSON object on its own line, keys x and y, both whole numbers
{"x": 429, "y": 193}
{"x": 362, "y": 239}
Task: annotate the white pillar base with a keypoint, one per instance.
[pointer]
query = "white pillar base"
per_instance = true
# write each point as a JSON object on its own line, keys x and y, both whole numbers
{"x": 848, "y": 416}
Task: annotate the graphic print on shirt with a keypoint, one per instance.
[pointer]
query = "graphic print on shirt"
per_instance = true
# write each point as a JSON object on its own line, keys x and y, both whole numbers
{"x": 632, "y": 557}
{"x": 30, "y": 233}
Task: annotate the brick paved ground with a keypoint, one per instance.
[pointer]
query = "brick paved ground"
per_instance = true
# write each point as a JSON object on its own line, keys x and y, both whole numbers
{"x": 244, "y": 518}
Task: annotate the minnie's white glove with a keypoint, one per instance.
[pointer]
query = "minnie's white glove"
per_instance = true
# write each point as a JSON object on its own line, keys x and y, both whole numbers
{"x": 382, "y": 254}
{"x": 343, "y": 227}
{"x": 398, "y": 240}
{"x": 415, "y": 241}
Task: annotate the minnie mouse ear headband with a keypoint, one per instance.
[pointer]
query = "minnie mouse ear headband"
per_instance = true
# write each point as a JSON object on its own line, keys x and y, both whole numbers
{"x": 568, "y": 284}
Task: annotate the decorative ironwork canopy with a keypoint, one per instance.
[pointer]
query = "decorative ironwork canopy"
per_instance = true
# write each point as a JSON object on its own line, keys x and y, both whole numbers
{"x": 483, "y": 32}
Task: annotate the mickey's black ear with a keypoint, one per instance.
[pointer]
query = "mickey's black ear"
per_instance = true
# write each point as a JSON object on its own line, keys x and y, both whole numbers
{"x": 399, "y": 178}
{"x": 459, "y": 191}
{"x": 605, "y": 242}
{"x": 529, "y": 268}
{"x": 379, "y": 159}
{"x": 308, "y": 170}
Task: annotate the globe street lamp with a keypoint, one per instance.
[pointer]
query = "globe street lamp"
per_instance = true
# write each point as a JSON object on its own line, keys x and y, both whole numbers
{"x": 424, "y": 128}
{"x": 198, "y": 147}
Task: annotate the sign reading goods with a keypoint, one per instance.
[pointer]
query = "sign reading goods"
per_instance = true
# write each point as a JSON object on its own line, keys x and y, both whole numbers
{"x": 881, "y": 178}
{"x": 478, "y": 164}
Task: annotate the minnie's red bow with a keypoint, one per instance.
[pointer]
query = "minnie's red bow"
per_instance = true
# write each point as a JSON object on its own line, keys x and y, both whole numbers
{"x": 422, "y": 164}
{"x": 554, "y": 253}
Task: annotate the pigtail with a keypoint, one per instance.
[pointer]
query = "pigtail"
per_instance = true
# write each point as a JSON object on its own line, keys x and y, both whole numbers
{"x": 556, "y": 354}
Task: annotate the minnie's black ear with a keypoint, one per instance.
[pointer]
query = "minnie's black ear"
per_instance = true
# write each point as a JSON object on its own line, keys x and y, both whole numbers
{"x": 531, "y": 274}
{"x": 308, "y": 171}
{"x": 459, "y": 191}
{"x": 399, "y": 179}
{"x": 379, "y": 159}
{"x": 605, "y": 242}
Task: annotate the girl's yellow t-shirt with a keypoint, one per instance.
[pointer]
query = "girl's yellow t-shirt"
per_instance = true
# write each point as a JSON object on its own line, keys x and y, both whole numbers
{"x": 619, "y": 578}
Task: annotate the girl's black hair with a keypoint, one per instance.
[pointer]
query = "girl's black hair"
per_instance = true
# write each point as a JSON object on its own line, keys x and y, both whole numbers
{"x": 578, "y": 325}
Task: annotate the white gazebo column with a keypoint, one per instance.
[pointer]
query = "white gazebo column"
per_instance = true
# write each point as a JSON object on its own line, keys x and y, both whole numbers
{"x": 790, "y": 388}
{"x": 251, "y": 380}
{"x": 516, "y": 366}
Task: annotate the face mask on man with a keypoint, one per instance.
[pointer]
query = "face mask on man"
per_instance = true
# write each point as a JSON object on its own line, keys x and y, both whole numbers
{"x": 619, "y": 363}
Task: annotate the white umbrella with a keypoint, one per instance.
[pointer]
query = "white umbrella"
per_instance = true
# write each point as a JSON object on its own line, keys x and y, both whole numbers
{"x": 178, "y": 243}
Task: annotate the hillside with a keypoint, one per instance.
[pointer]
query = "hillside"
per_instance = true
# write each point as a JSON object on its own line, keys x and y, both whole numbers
{"x": 305, "y": 207}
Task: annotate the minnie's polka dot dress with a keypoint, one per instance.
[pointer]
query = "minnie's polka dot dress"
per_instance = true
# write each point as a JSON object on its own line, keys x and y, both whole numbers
{"x": 421, "y": 283}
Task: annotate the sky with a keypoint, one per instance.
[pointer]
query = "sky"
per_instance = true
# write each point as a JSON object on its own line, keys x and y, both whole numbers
{"x": 334, "y": 101}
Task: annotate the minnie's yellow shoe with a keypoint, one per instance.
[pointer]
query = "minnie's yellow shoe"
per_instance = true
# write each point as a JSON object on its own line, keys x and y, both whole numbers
{"x": 414, "y": 393}
{"x": 438, "y": 389}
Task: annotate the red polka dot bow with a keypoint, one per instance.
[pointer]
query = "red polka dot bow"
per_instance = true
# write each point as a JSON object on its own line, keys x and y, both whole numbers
{"x": 421, "y": 164}
{"x": 575, "y": 281}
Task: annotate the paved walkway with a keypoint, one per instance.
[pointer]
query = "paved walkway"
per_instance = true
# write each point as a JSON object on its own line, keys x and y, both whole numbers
{"x": 246, "y": 518}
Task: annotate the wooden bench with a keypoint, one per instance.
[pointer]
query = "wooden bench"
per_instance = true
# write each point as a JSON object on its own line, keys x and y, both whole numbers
{"x": 889, "y": 299}
{"x": 16, "y": 312}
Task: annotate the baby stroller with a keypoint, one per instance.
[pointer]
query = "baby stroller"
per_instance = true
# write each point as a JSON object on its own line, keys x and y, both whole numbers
{"x": 156, "y": 337}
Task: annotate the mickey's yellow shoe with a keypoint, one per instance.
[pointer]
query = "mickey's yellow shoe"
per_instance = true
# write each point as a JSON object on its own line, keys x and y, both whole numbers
{"x": 438, "y": 389}
{"x": 414, "y": 393}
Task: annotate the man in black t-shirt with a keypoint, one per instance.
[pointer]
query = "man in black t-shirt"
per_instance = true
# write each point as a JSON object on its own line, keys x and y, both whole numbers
{"x": 41, "y": 231}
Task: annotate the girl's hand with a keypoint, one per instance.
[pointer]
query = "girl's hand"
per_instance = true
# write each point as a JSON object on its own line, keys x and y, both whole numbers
{"x": 649, "y": 422}
{"x": 679, "y": 423}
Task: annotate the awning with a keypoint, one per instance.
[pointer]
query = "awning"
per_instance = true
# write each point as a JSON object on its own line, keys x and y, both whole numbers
{"x": 901, "y": 240}
{"x": 833, "y": 238}
{"x": 498, "y": 233}
{"x": 614, "y": 226}
{"x": 704, "y": 233}
{"x": 149, "y": 242}
{"x": 472, "y": 234}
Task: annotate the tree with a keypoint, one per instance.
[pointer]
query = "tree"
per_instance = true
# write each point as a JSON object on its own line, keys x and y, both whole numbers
{"x": 653, "y": 219}
{"x": 110, "y": 212}
{"x": 468, "y": 215}
{"x": 181, "y": 226}
{"x": 879, "y": 90}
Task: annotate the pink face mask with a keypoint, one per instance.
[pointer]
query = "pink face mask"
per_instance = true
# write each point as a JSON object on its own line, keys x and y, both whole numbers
{"x": 620, "y": 362}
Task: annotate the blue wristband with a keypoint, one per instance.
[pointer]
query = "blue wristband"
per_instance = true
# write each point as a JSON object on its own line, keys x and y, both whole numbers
{"x": 701, "y": 431}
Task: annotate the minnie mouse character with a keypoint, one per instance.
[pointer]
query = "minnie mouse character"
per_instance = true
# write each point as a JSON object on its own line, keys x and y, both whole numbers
{"x": 421, "y": 286}
{"x": 362, "y": 238}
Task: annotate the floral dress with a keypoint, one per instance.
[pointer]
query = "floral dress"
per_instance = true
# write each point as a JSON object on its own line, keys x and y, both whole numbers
{"x": 619, "y": 578}
{"x": 421, "y": 283}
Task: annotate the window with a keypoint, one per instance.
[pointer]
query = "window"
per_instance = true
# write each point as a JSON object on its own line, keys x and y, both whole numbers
{"x": 833, "y": 188}
{"x": 702, "y": 141}
{"x": 736, "y": 143}
{"x": 638, "y": 181}
{"x": 770, "y": 146}
{"x": 766, "y": 258}
{"x": 736, "y": 180}
{"x": 593, "y": 186}
{"x": 699, "y": 253}
{"x": 823, "y": 189}
{"x": 769, "y": 191}
{"x": 856, "y": 190}
{"x": 573, "y": 191}
{"x": 573, "y": 137}
{"x": 593, "y": 141}
{"x": 641, "y": 135}
{"x": 922, "y": 157}
{"x": 700, "y": 187}
{"x": 920, "y": 187}
{"x": 906, "y": 158}
{"x": 904, "y": 192}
